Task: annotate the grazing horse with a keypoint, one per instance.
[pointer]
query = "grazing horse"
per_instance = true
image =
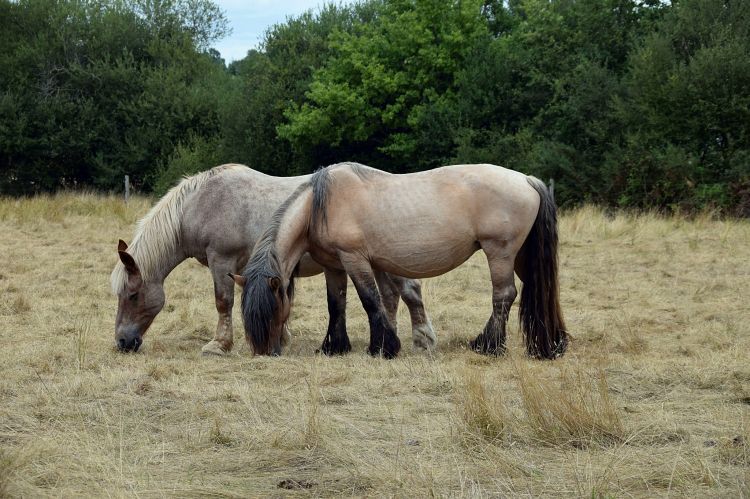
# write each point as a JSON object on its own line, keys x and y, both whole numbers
{"x": 216, "y": 217}
{"x": 360, "y": 220}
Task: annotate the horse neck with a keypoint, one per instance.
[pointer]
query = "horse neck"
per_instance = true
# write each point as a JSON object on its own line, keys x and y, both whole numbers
{"x": 291, "y": 240}
{"x": 157, "y": 271}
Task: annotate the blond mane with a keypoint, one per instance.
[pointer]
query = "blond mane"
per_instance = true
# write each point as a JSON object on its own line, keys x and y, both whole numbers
{"x": 157, "y": 235}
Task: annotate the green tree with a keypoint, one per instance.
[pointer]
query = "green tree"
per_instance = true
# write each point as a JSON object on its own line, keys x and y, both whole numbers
{"x": 687, "y": 110}
{"x": 370, "y": 99}
{"x": 91, "y": 91}
{"x": 539, "y": 96}
{"x": 279, "y": 73}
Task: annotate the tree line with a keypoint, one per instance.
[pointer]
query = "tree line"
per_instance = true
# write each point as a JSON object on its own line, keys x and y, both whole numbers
{"x": 630, "y": 103}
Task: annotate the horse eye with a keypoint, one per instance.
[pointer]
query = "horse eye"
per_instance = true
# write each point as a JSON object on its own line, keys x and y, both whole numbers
{"x": 133, "y": 296}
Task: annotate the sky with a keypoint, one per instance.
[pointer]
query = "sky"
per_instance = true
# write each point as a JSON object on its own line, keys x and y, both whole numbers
{"x": 249, "y": 19}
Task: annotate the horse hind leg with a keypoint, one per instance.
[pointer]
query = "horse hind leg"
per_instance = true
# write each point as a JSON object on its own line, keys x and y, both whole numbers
{"x": 491, "y": 340}
{"x": 389, "y": 295}
{"x": 337, "y": 339}
{"x": 422, "y": 334}
{"x": 383, "y": 339}
{"x": 223, "y": 339}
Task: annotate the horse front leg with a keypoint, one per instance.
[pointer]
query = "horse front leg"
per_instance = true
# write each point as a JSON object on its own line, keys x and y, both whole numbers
{"x": 223, "y": 339}
{"x": 383, "y": 339}
{"x": 422, "y": 335}
{"x": 491, "y": 340}
{"x": 337, "y": 339}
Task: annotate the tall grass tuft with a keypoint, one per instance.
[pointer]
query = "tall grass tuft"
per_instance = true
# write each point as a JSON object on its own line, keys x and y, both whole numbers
{"x": 482, "y": 413}
{"x": 311, "y": 431}
{"x": 81, "y": 340}
{"x": 56, "y": 207}
{"x": 577, "y": 410}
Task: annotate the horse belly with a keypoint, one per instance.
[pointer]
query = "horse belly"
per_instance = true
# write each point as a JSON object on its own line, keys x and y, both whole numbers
{"x": 424, "y": 260}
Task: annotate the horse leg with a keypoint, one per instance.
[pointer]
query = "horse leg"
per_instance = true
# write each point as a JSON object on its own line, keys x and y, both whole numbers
{"x": 389, "y": 295}
{"x": 383, "y": 339}
{"x": 224, "y": 296}
{"x": 336, "y": 340}
{"x": 422, "y": 335}
{"x": 491, "y": 340}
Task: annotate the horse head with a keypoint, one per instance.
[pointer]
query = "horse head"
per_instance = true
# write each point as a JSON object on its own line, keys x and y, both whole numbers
{"x": 138, "y": 303}
{"x": 266, "y": 304}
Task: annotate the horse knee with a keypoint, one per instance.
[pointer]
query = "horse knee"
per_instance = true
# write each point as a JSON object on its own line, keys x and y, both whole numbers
{"x": 411, "y": 292}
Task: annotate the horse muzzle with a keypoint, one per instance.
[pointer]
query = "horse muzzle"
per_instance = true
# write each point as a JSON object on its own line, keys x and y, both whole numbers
{"x": 128, "y": 341}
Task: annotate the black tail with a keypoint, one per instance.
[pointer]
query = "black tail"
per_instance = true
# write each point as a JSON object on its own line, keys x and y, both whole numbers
{"x": 540, "y": 314}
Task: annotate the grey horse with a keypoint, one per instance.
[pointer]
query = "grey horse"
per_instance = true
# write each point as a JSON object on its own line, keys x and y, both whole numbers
{"x": 216, "y": 217}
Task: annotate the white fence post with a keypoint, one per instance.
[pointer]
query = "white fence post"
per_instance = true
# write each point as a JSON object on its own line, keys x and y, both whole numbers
{"x": 127, "y": 188}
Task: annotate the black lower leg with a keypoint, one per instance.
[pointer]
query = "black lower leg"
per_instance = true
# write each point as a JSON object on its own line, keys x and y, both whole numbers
{"x": 491, "y": 340}
{"x": 337, "y": 339}
{"x": 383, "y": 338}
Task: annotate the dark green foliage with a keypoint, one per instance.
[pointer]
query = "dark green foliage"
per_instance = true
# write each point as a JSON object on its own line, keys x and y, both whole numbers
{"x": 633, "y": 103}
{"x": 193, "y": 156}
{"x": 687, "y": 109}
{"x": 92, "y": 91}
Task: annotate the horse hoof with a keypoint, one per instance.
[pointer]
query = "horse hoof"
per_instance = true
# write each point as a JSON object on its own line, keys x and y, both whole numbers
{"x": 486, "y": 347}
{"x": 387, "y": 351}
{"x": 338, "y": 348}
{"x": 214, "y": 348}
{"x": 382, "y": 352}
{"x": 424, "y": 339}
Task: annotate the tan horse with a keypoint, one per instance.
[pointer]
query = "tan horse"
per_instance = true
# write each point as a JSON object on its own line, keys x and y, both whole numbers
{"x": 361, "y": 220}
{"x": 216, "y": 217}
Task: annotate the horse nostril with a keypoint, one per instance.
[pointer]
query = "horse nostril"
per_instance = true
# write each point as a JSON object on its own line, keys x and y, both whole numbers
{"x": 121, "y": 343}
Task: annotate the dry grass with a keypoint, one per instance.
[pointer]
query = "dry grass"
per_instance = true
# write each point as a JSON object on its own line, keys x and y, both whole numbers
{"x": 574, "y": 410}
{"x": 652, "y": 399}
{"x": 483, "y": 412}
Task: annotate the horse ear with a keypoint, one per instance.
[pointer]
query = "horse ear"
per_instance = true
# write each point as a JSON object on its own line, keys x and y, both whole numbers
{"x": 239, "y": 280}
{"x": 122, "y": 245}
{"x": 275, "y": 283}
{"x": 130, "y": 265}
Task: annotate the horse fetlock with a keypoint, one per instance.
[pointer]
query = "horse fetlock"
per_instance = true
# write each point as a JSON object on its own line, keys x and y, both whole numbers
{"x": 217, "y": 347}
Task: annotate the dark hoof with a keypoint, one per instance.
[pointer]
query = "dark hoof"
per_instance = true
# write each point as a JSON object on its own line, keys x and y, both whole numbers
{"x": 337, "y": 347}
{"x": 389, "y": 348}
{"x": 486, "y": 346}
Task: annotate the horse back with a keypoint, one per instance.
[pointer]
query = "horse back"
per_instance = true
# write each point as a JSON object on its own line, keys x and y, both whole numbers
{"x": 227, "y": 215}
{"x": 428, "y": 222}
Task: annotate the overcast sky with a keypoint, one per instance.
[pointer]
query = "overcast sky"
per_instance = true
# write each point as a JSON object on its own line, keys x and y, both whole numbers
{"x": 250, "y": 18}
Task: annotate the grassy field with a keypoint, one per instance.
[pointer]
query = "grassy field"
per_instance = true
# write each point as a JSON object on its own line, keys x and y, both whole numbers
{"x": 651, "y": 400}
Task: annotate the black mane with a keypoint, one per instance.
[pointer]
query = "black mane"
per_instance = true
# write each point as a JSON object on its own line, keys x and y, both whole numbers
{"x": 321, "y": 185}
{"x": 259, "y": 304}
